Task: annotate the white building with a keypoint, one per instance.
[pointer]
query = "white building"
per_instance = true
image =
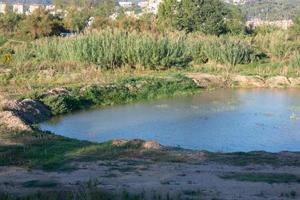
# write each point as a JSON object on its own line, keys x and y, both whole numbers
{"x": 18, "y": 8}
{"x": 125, "y": 4}
{"x": 283, "y": 24}
{"x": 153, "y": 6}
{"x": 143, "y": 4}
{"x": 50, "y": 7}
{"x": 3, "y": 7}
{"x": 34, "y": 7}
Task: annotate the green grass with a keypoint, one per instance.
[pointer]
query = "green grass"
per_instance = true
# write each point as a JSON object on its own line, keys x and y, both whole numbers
{"x": 263, "y": 177}
{"x": 123, "y": 91}
{"x": 258, "y": 158}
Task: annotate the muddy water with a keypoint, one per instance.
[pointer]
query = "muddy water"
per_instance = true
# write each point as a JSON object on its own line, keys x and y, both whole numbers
{"x": 221, "y": 120}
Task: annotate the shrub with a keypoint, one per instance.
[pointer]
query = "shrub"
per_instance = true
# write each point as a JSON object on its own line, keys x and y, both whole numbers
{"x": 231, "y": 52}
{"x": 60, "y": 104}
{"x": 127, "y": 90}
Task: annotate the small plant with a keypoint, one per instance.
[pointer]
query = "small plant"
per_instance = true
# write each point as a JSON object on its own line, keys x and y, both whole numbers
{"x": 295, "y": 61}
{"x": 7, "y": 59}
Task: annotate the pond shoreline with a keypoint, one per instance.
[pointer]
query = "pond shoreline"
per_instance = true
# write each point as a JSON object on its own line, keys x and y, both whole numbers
{"x": 24, "y": 113}
{"x": 46, "y": 163}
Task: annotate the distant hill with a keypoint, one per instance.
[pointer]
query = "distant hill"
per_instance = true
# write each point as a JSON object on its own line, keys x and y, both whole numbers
{"x": 271, "y": 9}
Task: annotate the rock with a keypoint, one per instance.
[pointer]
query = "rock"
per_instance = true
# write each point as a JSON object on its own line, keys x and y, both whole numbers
{"x": 278, "y": 82}
{"x": 151, "y": 145}
{"x": 13, "y": 121}
{"x": 295, "y": 82}
{"x": 207, "y": 80}
{"x": 248, "y": 81}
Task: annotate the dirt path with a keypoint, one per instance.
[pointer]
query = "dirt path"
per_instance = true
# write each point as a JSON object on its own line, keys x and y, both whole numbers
{"x": 175, "y": 179}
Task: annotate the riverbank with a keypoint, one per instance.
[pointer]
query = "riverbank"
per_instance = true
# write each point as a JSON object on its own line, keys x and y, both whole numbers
{"x": 39, "y": 105}
{"x": 41, "y": 161}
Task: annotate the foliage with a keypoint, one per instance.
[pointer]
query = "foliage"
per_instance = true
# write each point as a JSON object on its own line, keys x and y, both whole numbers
{"x": 166, "y": 15}
{"x": 295, "y": 29}
{"x": 9, "y": 22}
{"x": 206, "y": 16}
{"x": 60, "y": 104}
{"x": 235, "y": 20}
{"x": 230, "y": 52}
{"x": 110, "y": 50}
{"x": 76, "y": 20}
{"x": 295, "y": 61}
{"x": 41, "y": 23}
{"x": 126, "y": 90}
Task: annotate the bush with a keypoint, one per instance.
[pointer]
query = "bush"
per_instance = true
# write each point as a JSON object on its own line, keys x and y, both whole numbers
{"x": 231, "y": 52}
{"x": 60, "y": 104}
{"x": 124, "y": 91}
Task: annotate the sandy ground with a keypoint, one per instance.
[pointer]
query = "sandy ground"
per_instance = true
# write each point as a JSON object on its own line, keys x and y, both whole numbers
{"x": 198, "y": 181}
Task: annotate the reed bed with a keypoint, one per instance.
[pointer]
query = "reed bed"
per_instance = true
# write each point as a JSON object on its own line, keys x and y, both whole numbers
{"x": 114, "y": 49}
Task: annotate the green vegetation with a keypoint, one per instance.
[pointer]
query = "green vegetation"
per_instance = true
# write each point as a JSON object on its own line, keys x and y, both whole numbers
{"x": 206, "y": 16}
{"x": 124, "y": 91}
{"x": 90, "y": 192}
{"x": 109, "y": 50}
{"x": 42, "y": 150}
{"x": 254, "y": 158}
{"x": 126, "y": 60}
{"x": 263, "y": 177}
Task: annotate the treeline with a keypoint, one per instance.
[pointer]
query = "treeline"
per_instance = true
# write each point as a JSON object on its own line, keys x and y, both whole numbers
{"x": 207, "y": 16}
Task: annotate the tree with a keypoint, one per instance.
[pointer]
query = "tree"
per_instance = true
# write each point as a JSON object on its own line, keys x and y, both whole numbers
{"x": 105, "y": 8}
{"x": 207, "y": 16}
{"x": 166, "y": 15}
{"x": 102, "y": 12}
{"x": 76, "y": 20}
{"x": 41, "y": 23}
{"x": 235, "y": 20}
{"x": 9, "y": 21}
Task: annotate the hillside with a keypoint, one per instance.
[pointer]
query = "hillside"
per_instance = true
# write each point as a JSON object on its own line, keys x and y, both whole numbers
{"x": 263, "y": 9}
{"x": 271, "y": 9}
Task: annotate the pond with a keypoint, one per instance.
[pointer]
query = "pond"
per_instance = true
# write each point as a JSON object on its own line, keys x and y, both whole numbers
{"x": 223, "y": 120}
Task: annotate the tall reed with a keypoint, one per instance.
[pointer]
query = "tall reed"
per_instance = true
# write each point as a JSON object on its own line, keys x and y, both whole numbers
{"x": 109, "y": 50}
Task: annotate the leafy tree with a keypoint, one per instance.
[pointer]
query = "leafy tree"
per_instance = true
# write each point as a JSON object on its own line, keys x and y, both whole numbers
{"x": 102, "y": 12}
{"x": 42, "y": 23}
{"x": 76, "y": 20}
{"x": 207, "y": 16}
{"x": 166, "y": 16}
{"x": 105, "y": 8}
{"x": 9, "y": 21}
{"x": 235, "y": 20}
